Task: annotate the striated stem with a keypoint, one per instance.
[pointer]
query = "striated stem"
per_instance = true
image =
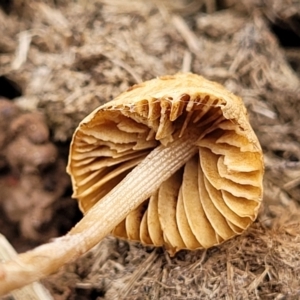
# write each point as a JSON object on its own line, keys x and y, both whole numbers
{"x": 100, "y": 220}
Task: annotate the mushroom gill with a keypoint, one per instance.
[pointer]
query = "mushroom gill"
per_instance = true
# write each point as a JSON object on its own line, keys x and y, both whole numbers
{"x": 214, "y": 196}
{"x": 171, "y": 162}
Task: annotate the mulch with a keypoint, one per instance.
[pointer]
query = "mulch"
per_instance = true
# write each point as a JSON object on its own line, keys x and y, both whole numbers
{"x": 64, "y": 58}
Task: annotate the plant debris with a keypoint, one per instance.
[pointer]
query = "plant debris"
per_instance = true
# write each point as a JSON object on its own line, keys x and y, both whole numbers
{"x": 65, "y": 70}
{"x": 261, "y": 263}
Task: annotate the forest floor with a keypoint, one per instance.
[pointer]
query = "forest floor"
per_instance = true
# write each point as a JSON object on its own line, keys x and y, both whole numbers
{"x": 61, "y": 59}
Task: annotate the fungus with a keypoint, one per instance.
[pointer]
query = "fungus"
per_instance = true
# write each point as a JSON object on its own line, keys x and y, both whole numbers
{"x": 171, "y": 162}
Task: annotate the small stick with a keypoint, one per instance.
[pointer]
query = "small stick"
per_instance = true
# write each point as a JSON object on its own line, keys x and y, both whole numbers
{"x": 186, "y": 33}
{"x": 34, "y": 291}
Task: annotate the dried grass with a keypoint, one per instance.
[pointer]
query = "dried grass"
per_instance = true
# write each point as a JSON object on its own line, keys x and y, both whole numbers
{"x": 70, "y": 57}
{"x": 261, "y": 264}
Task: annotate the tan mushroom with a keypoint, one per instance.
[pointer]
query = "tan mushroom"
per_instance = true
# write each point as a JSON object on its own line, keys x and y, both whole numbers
{"x": 171, "y": 162}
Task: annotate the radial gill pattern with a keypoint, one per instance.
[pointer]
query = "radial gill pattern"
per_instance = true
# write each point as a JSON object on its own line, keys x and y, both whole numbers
{"x": 213, "y": 197}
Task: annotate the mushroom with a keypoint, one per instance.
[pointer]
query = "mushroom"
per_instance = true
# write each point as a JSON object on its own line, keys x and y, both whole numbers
{"x": 171, "y": 162}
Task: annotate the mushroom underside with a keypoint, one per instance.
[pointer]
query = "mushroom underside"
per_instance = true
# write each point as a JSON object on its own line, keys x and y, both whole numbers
{"x": 213, "y": 197}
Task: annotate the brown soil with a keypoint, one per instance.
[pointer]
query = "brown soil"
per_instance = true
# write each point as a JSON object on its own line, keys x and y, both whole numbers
{"x": 61, "y": 59}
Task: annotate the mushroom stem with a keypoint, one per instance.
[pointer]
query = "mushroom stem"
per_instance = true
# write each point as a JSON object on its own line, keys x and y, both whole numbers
{"x": 100, "y": 220}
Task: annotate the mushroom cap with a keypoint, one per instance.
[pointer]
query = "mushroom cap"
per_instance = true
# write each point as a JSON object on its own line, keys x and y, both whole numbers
{"x": 213, "y": 197}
